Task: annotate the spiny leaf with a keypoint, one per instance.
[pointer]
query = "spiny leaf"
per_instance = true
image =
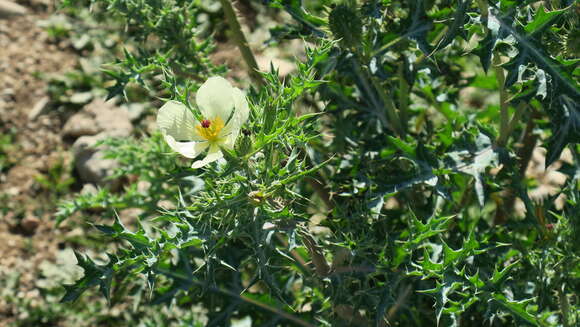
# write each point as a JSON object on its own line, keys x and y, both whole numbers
{"x": 451, "y": 256}
{"x": 429, "y": 268}
{"x": 518, "y": 308}
{"x": 542, "y": 19}
{"x": 565, "y": 126}
{"x": 403, "y": 146}
{"x": 530, "y": 51}
{"x": 94, "y": 274}
{"x": 459, "y": 19}
{"x": 420, "y": 25}
{"x": 433, "y": 226}
{"x": 496, "y": 32}
{"x": 474, "y": 161}
{"x": 139, "y": 240}
{"x": 295, "y": 9}
{"x": 500, "y": 275}
{"x": 442, "y": 291}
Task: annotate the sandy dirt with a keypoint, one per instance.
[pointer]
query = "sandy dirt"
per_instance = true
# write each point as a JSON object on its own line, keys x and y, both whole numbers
{"x": 27, "y": 58}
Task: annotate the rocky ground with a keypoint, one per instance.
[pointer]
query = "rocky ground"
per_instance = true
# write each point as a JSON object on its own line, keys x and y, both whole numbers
{"x": 40, "y": 144}
{"x": 32, "y": 144}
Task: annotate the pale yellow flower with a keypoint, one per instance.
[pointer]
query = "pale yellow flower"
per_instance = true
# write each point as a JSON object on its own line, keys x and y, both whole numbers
{"x": 224, "y": 110}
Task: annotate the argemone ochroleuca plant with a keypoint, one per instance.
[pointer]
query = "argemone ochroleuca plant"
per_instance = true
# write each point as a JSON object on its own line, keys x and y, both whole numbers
{"x": 224, "y": 109}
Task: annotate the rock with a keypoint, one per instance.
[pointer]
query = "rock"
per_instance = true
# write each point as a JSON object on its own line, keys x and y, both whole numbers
{"x": 30, "y": 224}
{"x": 89, "y": 189}
{"x": 97, "y": 121}
{"x": 9, "y": 8}
{"x": 143, "y": 186}
{"x": 99, "y": 117}
{"x": 81, "y": 97}
{"x": 284, "y": 67}
{"x": 166, "y": 205}
{"x": 114, "y": 120}
{"x": 40, "y": 108}
{"x": 130, "y": 215}
{"x": 90, "y": 162}
{"x": 80, "y": 124}
{"x": 135, "y": 110}
{"x": 21, "y": 178}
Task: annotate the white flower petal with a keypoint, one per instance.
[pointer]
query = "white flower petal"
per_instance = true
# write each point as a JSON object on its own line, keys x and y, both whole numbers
{"x": 241, "y": 113}
{"x": 241, "y": 105}
{"x": 186, "y": 149}
{"x": 175, "y": 119}
{"x": 230, "y": 140}
{"x": 213, "y": 154}
{"x": 215, "y": 98}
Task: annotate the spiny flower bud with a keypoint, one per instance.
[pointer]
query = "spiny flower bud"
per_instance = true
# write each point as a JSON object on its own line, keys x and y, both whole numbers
{"x": 256, "y": 198}
{"x": 346, "y": 25}
{"x": 244, "y": 143}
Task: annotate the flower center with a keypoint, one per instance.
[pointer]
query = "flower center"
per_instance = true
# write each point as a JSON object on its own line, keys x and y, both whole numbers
{"x": 210, "y": 129}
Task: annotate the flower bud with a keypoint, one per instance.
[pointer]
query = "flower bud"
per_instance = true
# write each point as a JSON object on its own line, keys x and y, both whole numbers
{"x": 256, "y": 198}
{"x": 243, "y": 144}
{"x": 346, "y": 25}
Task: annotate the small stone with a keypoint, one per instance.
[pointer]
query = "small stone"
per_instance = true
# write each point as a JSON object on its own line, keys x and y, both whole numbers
{"x": 8, "y": 92}
{"x": 99, "y": 116}
{"x": 81, "y": 97}
{"x": 90, "y": 162}
{"x": 9, "y": 8}
{"x": 130, "y": 214}
{"x": 143, "y": 186}
{"x": 30, "y": 224}
{"x": 166, "y": 205}
{"x": 134, "y": 110}
{"x": 115, "y": 123}
{"x": 80, "y": 124}
{"x": 40, "y": 108}
{"x": 89, "y": 189}
{"x": 110, "y": 118}
{"x": 21, "y": 177}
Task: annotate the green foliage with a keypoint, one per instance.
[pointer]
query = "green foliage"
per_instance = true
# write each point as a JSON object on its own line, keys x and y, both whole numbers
{"x": 57, "y": 180}
{"x": 6, "y": 145}
{"x": 363, "y": 190}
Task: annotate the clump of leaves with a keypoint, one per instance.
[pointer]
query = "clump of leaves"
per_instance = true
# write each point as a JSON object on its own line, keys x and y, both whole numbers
{"x": 363, "y": 192}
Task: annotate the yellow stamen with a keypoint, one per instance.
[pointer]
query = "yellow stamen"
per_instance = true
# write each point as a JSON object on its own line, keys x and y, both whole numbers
{"x": 210, "y": 133}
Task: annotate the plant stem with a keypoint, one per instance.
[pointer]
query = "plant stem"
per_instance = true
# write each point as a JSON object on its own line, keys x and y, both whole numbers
{"x": 295, "y": 254}
{"x": 503, "y": 100}
{"x": 403, "y": 97}
{"x": 529, "y": 143}
{"x": 240, "y": 40}
{"x": 524, "y": 153}
{"x": 502, "y": 140}
{"x": 484, "y": 7}
{"x": 564, "y": 307}
{"x": 358, "y": 70}
{"x": 436, "y": 40}
{"x": 385, "y": 47}
{"x": 394, "y": 119}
